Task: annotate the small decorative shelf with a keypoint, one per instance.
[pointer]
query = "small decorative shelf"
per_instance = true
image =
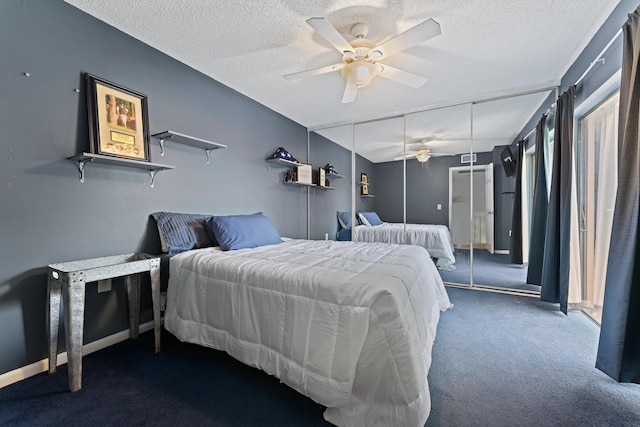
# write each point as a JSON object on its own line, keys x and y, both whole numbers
{"x": 84, "y": 158}
{"x": 281, "y": 163}
{"x": 320, "y": 187}
{"x": 299, "y": 184}
{"x": 169, "y": 135}
{"x": 367, "y": 195}
{"x": 333, "y": 176}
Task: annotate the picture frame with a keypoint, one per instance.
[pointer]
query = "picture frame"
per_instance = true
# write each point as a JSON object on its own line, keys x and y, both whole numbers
{"x": 363, "y": 178}
{"x": 364, "y": 190}
{"x": 321, "y": 177}
{"x": 118, "y": 120}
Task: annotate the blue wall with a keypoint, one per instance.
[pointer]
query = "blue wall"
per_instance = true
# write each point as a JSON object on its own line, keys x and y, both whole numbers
{"x": 49, "y": 216}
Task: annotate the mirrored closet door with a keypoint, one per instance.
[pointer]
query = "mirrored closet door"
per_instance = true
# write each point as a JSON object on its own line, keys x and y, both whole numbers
{"x": 438, "y": 206}
{"x": 330, "y": 156}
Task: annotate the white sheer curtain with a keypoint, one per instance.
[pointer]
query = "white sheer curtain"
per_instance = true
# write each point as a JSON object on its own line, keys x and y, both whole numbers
{"x": 599, "y": 140}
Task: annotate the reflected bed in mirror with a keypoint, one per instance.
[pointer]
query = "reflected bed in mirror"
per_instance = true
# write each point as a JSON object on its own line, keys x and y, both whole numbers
{"x": 435, "y": 238}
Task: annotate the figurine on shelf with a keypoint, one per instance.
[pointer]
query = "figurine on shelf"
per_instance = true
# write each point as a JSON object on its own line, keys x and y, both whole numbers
{"x": 283, "y": 154}
{"x": 330, "y": 170}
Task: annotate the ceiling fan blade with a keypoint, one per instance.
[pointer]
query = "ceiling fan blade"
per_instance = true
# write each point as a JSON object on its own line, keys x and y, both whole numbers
{"x": 330, "y": 34}
{"x": 400, "y": 76}
{"x": 314, "y": 72}
{"x": 405, "y": 156}
{"x": 350, "y": 93}
{"x": 418, "y": 34}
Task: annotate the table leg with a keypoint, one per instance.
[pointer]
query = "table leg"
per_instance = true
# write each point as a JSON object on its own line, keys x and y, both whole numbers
{"x": 132, "y": 282}
{"x": 54, "y": 292}
{"x": 154, "y": 271}
{"x": 73, "y": 297}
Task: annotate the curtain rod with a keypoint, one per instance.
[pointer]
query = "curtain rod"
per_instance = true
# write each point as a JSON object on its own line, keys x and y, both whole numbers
{"x": 599, "y": 57}
{"x": 545, "y": 113}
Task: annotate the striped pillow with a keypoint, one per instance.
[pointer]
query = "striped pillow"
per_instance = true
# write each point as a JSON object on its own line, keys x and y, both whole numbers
{"x": 180, "y": 232}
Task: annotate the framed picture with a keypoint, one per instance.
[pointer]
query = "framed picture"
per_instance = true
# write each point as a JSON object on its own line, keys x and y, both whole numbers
{"x": 363, "y": 178}
{"x": 364, "y": 190}
{"x": 118, "y": 121}
{"x": 321, "y": 177}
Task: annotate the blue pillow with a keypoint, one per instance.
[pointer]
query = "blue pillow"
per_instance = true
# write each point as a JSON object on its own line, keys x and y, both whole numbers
{"x": 243, "y": 231}
{"x": 344, "y": 218}
{"x": 370, "y": 218}
{"x": 180, "y": 232}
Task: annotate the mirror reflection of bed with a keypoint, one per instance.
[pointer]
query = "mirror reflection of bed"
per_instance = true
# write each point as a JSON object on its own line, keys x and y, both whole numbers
{"x": 369, "y": 227}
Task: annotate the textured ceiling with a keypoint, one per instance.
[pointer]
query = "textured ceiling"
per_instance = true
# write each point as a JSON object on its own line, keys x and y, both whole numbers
{"x": 487, "y": 48}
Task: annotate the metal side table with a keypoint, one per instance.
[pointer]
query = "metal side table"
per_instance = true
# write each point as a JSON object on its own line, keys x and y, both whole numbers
{"x": 68, "y": 280}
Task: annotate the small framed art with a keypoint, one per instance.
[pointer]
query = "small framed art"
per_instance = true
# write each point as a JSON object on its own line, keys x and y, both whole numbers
{"x": 363, "y": 178}
{"x": 364, "y": 190}
{"x": 321, "y": 177}
{"x": 118, "y": 121}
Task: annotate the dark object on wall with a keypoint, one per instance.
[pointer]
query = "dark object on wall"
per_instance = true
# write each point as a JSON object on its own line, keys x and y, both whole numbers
{"x": 118, "y": 120}
{"x": 508, "y": 162}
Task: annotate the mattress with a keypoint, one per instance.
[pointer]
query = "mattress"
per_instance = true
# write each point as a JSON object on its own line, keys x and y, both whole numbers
{"x": 350, "y": 325}
{"x": 434, "y": 238}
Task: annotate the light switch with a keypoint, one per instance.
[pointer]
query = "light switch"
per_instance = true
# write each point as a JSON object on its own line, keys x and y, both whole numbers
{"x": 439, "y": 206}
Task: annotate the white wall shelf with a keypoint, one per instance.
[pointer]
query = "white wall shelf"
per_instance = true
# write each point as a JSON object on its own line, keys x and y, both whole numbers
{"x": 281, "y": 163}
{"x": 180, "y": 138}
{"x": 299, "y": 184}
{"x": 84, "y": 158}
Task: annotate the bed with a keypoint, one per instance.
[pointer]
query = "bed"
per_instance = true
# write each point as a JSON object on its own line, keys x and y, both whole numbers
{"x": 435, "y": 238}
{"x": 348, "y": 324}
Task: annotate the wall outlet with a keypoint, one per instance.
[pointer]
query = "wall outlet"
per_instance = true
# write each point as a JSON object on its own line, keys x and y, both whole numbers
{"x": 439, "y": 206}
{"x": 326, "y": 236}
{"x": 104, "y": 285}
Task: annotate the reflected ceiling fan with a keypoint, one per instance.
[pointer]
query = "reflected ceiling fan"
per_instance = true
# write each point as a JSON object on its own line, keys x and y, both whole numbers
{"x": 421, "y": 153}
{"x": 361, "y": 57}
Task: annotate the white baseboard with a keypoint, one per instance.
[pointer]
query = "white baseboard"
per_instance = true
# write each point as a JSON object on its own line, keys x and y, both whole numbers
{"x": 40, "y": 366}
{"x": 502, "y": 251}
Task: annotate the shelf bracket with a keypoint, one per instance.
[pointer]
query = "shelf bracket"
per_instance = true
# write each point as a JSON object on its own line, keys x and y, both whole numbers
{"x": 81, "y": 164}
{"x": 152, "y": 174}
{"x": 208, "y": 151}
{"x": 161, "y": 141}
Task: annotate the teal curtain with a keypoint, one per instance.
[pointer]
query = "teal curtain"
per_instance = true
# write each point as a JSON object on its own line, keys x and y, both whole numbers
{"x": 619, "y": 346}
{"x": 539, "y": 209}
{"x": 516, "y": 220}
{"x": 555, "y": 266}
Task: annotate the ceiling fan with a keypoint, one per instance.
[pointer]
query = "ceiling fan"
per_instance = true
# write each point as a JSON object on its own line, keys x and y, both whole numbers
{"x": 361, "y": 57}
{"x": 422, "y": 153}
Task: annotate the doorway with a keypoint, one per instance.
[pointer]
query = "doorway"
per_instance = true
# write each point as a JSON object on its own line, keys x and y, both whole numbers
{"x": 471, "y": 227}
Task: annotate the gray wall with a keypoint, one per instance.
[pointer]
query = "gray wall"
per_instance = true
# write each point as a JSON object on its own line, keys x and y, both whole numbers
{"x": 49, "y": 216}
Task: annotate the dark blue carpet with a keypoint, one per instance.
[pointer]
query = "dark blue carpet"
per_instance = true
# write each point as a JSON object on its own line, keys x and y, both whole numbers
{"x": 498, "y": 360}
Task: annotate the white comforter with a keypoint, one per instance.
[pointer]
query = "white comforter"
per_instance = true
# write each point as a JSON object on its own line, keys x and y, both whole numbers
{"x": 348, "y": 324}
{"x": 433, "y": 237}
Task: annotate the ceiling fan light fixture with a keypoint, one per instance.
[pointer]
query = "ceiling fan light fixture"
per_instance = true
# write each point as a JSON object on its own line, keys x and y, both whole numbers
{"x": 360, "y": 72}
{"x": 423, "y": 156}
